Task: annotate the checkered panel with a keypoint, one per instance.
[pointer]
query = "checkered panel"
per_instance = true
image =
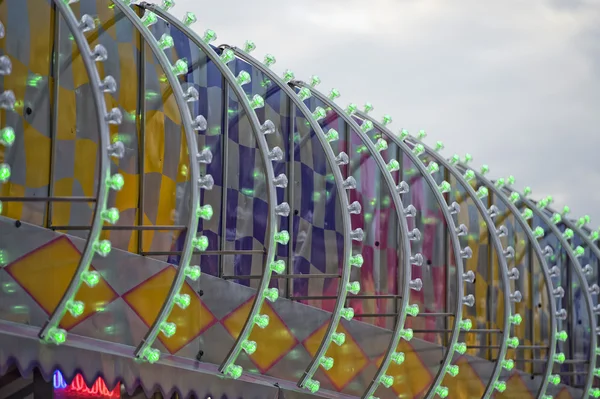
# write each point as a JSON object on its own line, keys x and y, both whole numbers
{"x": 28, "y": 25}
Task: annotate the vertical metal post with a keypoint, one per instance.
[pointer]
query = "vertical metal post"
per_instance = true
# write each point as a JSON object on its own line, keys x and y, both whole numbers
{"x": 53, "y": 84}
{"x": 490, "y": 310}
{"x": 141, "y": 126}
{"x": 399, "y": 254}
{"x": 225, "y": 172}
{"x": 570, "y": 326}
{"x": 530, "y": 318}
{"x": 348, "y": 135}
{"x": 447, "y": 261}
{"x": 289, "y": 283}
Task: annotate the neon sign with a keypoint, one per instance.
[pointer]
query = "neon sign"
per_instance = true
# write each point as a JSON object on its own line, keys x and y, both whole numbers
{"x": 78, "y": 386}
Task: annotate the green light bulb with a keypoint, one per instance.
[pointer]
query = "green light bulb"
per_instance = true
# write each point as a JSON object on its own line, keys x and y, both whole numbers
{"x": 57, "y": 335}
{"x": 482, "y": 192}
{"x": 508, "y": 364}
{"x": 167, "y": 5}
{"x": 413, "y": 310}
{"x": 398, "y": 357}
{"x": 90, "y": 278}
{"x": 182, "y": 300}
{"x": 407, "y": 334}
{"x": 193, "y": 272}
{"x": 353, "y": 287}
{"x": 200, "y": 243}
{"x": 282, "y": 237}
{"x": 115, "y": 182}
{"x": 165, "y": 42}
{"x": 168, "y": 329}
{"x": 227, "y": 56}
{"x": 326, "y": 362}
{"x": 419, "y": 149}
{"x": 439, "y": 146}
{"x": 304, "y": 93}
{"x": 527, "y": 214}
{"x": 594, "y": 392}
{"x": 513, "y": 342}
{"x": 368, "y": 108}
{"x": 453, "y": 370}
{"x": 347, "y": 313}
{"x": 444, "y": 187}
{"x": 356, "y": 260}
{"x": 249, "y": 346}
{"x": 500, "y": 182}
{"x": 387, "y": 119}
{"x": 468, "y": 158}
{"x": 110, "y": 215}
{"x": 272, "y": 294}
{"x": 460, "y": 348}
{"x": 209, "y": 36}
{"x": 516, "y": 319}
{"x": 234, "y": 371}
{"x": 7, "y": 136}
{"x": 102, "y": 248}
{"x": 338, "y": 338}
{"x": 205, "y": 212}
{"x": 151, "y": 355}
{"x": 594, "y": 235}
{"x": 351, "y": 108}
{"x": 333, "y": 94}
{"x": 393, "y": 166}
{"x": 562, "y": 336}
{"x": 243, "y": 78}
{"x": 315, "y": 81}
{"x": 149, "y": 19}
{"x": 538, "y": 232}
{"x": 442, "y": 392}
{"x": 554, "y": 379}
{"x": 249, "y": 46}
{"x": 403, "y": 134}
{"x": 511, "y": 180}
{"x": 278, "y": 266}
{"x": 559, "y": 358}
{"x": 422, "y": 134}
{"x": 556, "y": 218}
{"x": 381, "y": 145}
{"x": 484, "y": 169}
{"x": 261, "y": 320}
{"x": 189, "y": 18}
{"x": 332, "y": 135}
{"x": 469, "y": 175}
{"x": 366, "y": 126}
{"x": 579, "y": 251}
{"x": 4, "y": 172}
{"x": 455, "y": 159}
{"x": 269, "y": 60}
{"x": 500, "y": 386}
{"x": 76, "y": 308}
{"x": 288, "y": 76}
{"x": 568, "y": 234}
{"x": 386, "y": 380}
{"x": 319, "y": 113}
{"x": 257, "y": 102}
{"x": 514, "y": 197}
{"x": 466, "y": 325}
{"x": 433, "y": 167}
{"x": 566, "y": 210}
{"x": 180, "y": 67}
{"x": 312, "y": 385}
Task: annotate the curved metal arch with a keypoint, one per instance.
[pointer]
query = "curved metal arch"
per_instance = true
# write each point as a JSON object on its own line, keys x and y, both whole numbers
{"x": 337, "y": 174}
{"x": 104, "y": 171}
{"x": 584, "y": 284}
{"x": 451, "y": 226}
{"x": 495, "y": 241}
{"x": 192, "y": 223}
{"x": 498, "y": 193}
{"x": 264, "y": 152}
{"x": 335, "y": 319}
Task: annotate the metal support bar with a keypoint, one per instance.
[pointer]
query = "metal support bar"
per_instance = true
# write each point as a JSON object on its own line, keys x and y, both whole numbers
{"x": 301, "y": 276}
{"x": 354, "y": 297}
{"x": 225, "y": 194}
{"x": 224, "y": 252}
{"x": 48, "y": 199}
{"x": 121, "y": 228}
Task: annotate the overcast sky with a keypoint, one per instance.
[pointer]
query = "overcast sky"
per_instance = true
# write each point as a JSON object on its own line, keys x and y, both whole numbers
{"x": 516, "y": 83}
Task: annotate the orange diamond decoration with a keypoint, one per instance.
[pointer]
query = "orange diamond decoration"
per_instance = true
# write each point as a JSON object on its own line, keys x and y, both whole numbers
{"x": 272, "y": 343}
{"x": 515, "y": 389}
{"x": 45, "y": 274}
{"x": 147, "y": 299}
{"x": 349, "y": 359}
{"x": 564, "y": 394}
{"x": 411, "y": 378}
{"x": 466, "y": 384}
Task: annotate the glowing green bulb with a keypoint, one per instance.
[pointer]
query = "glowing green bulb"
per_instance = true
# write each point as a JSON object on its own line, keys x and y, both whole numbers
{"x": 527, "y": 214}
{"x": 189, "y": 18}
{"x": 288, "y": 76}
{"x": 234, "y": 371}
{"x": 180, "y": 67}
{"x": 165, "y": 42}
{"x": 566, "y": 210}
{"x": 366, "y": 126}
{"x": 439, "y": 146}
{"x": 149, "y": 19}
{"x": 433, "y": 167}
{"x": 413, "y": 310}
{"x": 559, "y": 358}
{"x": 484, "y": 169}
{"x": 257, "y": 102}
{"x": 353, "y": 287}
{"x": 332, "y": 135}
{"x": 7, "y": 136}
{"x": 500, "y": 386}
{"x": 168, "y": 329}
{"x": 151, "y": 355}
{"x": 508, "y": 364}
{"x": 282, "y": 237}
{"x": 460, "y": 348}
{"x": 205, "y": 212}
{"x": 315, "y": 81}
{"x": 4, "y": 172}
{"x": 444, "y": 187}
{"x": 269, "y": 60}
{"x": 167, "y": 5}
{"x": 556, "y": 218}
{"x": 538, "y": 232}
{"x": 442, "y": 392}
{"x": 347, "y": 313}
{"x": 209, "y": 36}
{"x": 102, "y": 248}
{"x": 594, "y": 235}
{"x": 304, "y": 93}
{"x": 326, "y": 362}
{"x": 356, "y": 260}
{"x": 249, "y": 346}
{"x": 568, "y": 234}
{"x": 193, "y": 272}
{"x": 110, "y": 215}
{"x": 91, "y": 278}
{"x": 319, "y": 113}
{"x": 466, "y": 325}
{"x": 57, "y": 335}
{"x": 562, "y": 336}
{"x": 115, "y": 182}
{"x": 333, "y": 94}
{"x": 272, "y": 294}
{"x": 513, "y": 342}
{"x": 453, "y": 370}
{"x": 249, "y": 46}
{"x": 514, "y": 197}
{"x": 579, "y": 251}
{"x": 386, "y": 380}
{"x": 312, "y": 385}
{"x": 516, "y": 319}
{"x": 500, "y": 182}
{"x": 455, "y": 159}
{"x": 594, "y": 392}
{"x": 482, "y": 192}
{"x": 243, "y": 78}
{"x": 227, "y": 56}
{"x": 403, "y": 134}
{"x": 351, "y": 108}
{"x": 261, "y": 320}
{"x": 407, "y": 334}
{"x": 76, "y": 308}
{"x": 554, "y": 379}
{"x": 381, "y": 145}
{"x": 419, "y": 149}
{"x": 182, "y": 300}
{"x": 511, "y": 180}
{"x": 469, "y": 175}
{"x": 338, "y": 338}
{"x": 278, "y": 266}
{"x": 200, "y": 243}
{"x": 422, "y": 134}
{"x": 393, "y": 166}
{"x": 398, "y": 357}
{"x": 387, "y": 119}
{"x": 368, "y": 108}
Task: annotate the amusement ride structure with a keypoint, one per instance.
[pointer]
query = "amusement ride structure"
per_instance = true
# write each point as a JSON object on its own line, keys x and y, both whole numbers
{"x": 178, "y": 220}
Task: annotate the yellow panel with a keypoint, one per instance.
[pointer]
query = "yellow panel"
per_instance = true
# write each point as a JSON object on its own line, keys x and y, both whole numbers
{"x": 467, "y": 384}
{"x": 515, "y": 389}
{"x": 412, "y": 377}
{"x": 273, "y": 342}
{"x": 85, "y": 165}
{"x": 128, "y": 83}
{"x": 37, "y": 157}
{"x": 78, "y": 71}
{"x": 45, "y": 274}
{"x": 67, "y": 114}
{"x": 170, "y": 107}
{"x": 166, "y": 203}
{"x": 349, "y": 358}
{"x": 17, "y": 82}
{"x": 155, "y": 142}
{"x": 184, "y": 159}
{"x": 41, "y": 37}
{"x": 106, "y": 16}
{"x": 147, "y": 298}
{"x": 128, "y": 197}
{"x": 12, "y": 210}
{"x": 564, "y": 394}
{"x": 61, "y": 211}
